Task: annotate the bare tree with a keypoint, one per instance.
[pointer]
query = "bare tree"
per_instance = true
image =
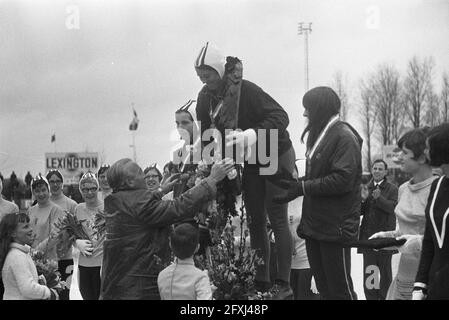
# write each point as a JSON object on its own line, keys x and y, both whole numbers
{"x": 368, "y": 115}
{"x": 417, "y": 88}
{"x": 433, "y": 115}
{"x": 445, "y": 98}
{"x": 340, "y": 85}
{"x": 386, "y": 91}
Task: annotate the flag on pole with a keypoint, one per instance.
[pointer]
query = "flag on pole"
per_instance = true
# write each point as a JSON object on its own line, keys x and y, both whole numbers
{"x": 134, "y": 123}
{"x": 53, "y": 138}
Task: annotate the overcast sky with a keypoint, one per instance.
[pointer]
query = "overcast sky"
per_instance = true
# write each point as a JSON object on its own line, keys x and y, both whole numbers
{"x": 79, "y": 83}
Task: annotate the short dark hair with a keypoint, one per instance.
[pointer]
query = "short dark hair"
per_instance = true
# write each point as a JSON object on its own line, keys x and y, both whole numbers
{"x": 438, "y": 139}
{"x": 54, "y": 172}
{"x": 380, "y": 161}
{"x": 102, "y": 169}
{"x": 184, "y": 240}
{"x": 414, "y": 140}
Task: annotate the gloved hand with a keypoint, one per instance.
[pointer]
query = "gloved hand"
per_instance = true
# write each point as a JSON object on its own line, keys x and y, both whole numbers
{"x": 292, "y": 187}
{"x": 418, "y": 295}
{"x": 413, "y": 244}
{"x": 246, "y": 138}
{"x": 313, "y": 287}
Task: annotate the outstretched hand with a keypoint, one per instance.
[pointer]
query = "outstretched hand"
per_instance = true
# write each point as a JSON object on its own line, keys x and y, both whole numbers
{"x": 291, "y": 187}
{"x": 168, "y": 184}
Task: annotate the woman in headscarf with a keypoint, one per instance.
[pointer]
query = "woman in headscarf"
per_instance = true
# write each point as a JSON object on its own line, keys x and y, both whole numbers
{"x": 91, "y": 215}
{"x": 245, "y": 114}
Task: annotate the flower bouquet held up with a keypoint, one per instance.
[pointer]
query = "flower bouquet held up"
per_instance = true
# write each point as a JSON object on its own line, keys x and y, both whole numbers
{"x": 99, "y": 227}
{"x": 70, "y": 228}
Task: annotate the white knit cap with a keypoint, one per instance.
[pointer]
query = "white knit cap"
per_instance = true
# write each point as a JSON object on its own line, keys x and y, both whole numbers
{"x": 211, "y": 56}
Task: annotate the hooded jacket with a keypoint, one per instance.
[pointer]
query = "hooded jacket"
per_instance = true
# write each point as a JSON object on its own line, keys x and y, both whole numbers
{"x": 331, "y": 205}
{"x": 136, "y": 247}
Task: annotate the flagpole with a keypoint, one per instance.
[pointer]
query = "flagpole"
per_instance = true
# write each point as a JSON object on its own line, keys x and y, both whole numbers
{"x": 134, "y": 145}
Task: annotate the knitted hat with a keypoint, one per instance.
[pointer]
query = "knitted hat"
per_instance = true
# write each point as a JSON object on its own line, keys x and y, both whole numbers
{"x": 211, "y": 56}
{"x": 88, "y": 177}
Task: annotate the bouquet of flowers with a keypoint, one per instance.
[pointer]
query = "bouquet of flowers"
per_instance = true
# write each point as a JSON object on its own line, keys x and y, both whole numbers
{"x": 70, "y": 227}
{"x": 231, "y": 268}
{"x": 99, "y": 225}
{"x": 48, "y": 269}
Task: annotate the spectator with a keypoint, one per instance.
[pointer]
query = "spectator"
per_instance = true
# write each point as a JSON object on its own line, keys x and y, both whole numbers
{"x": 432, "y": 279}
{"x": 91, "y": 257}
{"x": 19, "y": 273}
{"x": 5, "y": 205}
{"x": 378, "y": 204}
{"x": 182, "y": 280}
{"x": 64, "y": 248}
{"x": 410, "y": 212}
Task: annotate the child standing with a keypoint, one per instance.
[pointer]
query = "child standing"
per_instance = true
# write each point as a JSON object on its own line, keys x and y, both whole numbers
{"x": 182, "y": 280}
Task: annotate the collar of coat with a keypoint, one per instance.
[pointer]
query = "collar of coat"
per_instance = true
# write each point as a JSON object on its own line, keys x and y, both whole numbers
{"x": 331, "y": 122}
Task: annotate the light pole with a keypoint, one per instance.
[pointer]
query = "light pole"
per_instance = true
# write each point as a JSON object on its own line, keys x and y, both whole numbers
{"x": 305, "y": 30}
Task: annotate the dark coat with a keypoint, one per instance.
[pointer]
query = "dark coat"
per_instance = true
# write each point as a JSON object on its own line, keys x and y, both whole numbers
{"x": 257, "y": 110}
{"x": 378, "y": 214}
{"x": 433, "y": 268}
{"x": 331, "y": 206}
{"x": 136, "y": 246}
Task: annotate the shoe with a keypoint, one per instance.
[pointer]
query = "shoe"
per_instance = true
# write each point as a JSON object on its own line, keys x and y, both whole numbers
{"x": 281, "y": 292}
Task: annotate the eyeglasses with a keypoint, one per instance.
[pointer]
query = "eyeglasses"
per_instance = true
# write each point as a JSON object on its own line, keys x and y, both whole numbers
{"x": 55, "y": 182}
{"x": 86, "y": 190}
{"x": 152, "y": 176}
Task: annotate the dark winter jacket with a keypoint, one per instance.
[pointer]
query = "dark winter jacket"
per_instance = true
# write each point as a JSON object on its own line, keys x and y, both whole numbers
{"x": 433, "y": 271}
{"x": 331, "y": 205}
{"x": 257, "y": 110}
{"x": 136, "y": 245}
{"x": 378, "y": 214}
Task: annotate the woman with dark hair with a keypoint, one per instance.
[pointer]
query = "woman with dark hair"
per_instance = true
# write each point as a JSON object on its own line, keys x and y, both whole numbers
{"x": 105, "y": 189}
{"x": 331, "y": 190}
{"x": 43, "y": 216}
{"x": 19, "y": 273}
{"x": 410, "y": 212}
{"x": 432, "y": 279}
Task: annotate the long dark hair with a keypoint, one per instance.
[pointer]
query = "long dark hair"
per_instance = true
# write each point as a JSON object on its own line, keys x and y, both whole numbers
{"x": 321, "y": 103}
{"x": 8, "y": 225}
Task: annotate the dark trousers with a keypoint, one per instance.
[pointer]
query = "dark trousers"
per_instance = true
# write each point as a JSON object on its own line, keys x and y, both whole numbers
{"x": 65, "y": 268}
{"x": 331, "y": 266}
{"x": 300, "y": 280}
{"x": 2, "y": 289}
{"x": 90, "y": 282}
{"x": 258, "y": 194}
{"x": 376, "y": 265}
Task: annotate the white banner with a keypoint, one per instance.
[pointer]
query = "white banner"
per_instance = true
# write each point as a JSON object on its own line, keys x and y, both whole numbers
{"x": 72, "y": 164}
{"x": 390, "y": 155}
